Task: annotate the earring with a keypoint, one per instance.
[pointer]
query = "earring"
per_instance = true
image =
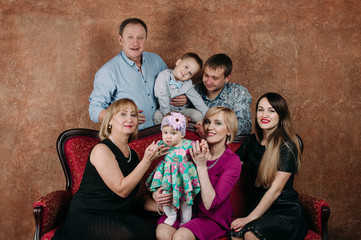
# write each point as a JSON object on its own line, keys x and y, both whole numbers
{"x": 109, "y": 129}
{"x": 228, "y": 138}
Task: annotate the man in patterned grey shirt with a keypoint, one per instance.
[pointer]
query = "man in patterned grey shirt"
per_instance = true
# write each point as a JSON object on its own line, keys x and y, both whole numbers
{"x": 216, "y": 90}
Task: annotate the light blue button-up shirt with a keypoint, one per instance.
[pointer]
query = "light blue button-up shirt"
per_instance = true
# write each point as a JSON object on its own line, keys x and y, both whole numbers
{"x": 121, "y": 78}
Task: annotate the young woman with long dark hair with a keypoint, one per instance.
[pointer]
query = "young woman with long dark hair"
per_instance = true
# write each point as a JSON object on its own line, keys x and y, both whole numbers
{"x": 273, "y": 157}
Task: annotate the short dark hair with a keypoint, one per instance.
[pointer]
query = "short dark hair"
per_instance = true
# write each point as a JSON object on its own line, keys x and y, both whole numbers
{"x": 195, "y": 57}
{"x": 220, "y": 60}
{"x": 132, "y": 21}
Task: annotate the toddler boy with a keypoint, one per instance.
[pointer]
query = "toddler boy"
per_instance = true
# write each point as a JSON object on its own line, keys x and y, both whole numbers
{"x": 172, "y": 83}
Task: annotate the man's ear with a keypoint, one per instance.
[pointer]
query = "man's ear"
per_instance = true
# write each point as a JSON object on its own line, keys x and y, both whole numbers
{"x": 178, "y": 62}
{"x": 120, "y": 40}
{"x": 227, "y": 78}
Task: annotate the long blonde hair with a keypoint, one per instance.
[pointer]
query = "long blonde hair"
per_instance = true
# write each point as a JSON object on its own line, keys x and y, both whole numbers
{"x": 271, "y": 158}
{"x": 114, "y": 108}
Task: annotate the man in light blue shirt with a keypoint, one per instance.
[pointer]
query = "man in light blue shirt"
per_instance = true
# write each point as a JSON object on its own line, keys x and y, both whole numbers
{"x": 131, "y": 74}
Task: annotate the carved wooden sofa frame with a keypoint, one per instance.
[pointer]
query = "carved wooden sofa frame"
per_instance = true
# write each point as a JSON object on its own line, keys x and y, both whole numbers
{"x": 73, "y": 148}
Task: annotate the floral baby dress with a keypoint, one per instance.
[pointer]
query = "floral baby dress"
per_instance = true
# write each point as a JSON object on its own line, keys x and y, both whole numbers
{"x": 176, "y": 174}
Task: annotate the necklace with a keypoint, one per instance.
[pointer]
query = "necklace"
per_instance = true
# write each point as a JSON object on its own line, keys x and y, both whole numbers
{"x": 215, "y": 162}
{"x": 130, "y": 152}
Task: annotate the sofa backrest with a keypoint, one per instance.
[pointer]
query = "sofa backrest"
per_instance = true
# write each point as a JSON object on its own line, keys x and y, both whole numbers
{"x": 75, "y": 145}
{"x": 77, "y": 150}
{"x": 142, "y": 143}
{"x": 238, "y": 195}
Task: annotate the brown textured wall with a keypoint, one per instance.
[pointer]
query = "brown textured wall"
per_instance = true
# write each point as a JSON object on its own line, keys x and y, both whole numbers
{"x": 309, "y": 51}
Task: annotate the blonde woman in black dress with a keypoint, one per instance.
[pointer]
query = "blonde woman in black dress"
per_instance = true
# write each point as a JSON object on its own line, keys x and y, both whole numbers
{"x": 272, "y": 157}
{"x": 101, "y": 208}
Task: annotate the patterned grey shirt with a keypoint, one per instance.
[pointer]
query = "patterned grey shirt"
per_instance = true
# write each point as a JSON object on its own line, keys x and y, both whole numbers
{"x": 233, "y": 96}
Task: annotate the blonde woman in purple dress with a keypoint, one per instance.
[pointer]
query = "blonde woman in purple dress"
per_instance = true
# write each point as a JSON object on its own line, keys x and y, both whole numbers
{"x": 218, "y": 170}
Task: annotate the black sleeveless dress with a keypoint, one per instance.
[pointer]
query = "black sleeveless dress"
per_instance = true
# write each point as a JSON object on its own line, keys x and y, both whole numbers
{"x": 285, "y": 219}
{"x": 96, "y": 212}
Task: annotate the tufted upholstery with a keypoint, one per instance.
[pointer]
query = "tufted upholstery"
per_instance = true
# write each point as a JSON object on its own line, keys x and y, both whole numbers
{"x": 54, "y": 207}
{"x": 74, "y": 147}
{"x": 77, "y": 150}
{"x": 318, "y": 212}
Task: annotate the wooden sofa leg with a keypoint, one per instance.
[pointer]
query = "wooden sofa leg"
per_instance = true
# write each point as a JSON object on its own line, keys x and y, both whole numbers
{"x": 37, "y": 214}
{"x": 324, "y": 219}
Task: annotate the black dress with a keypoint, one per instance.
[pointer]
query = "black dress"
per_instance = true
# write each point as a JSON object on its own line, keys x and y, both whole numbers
{"x": 286, "y": 218}
{"x": 96, "y": 212}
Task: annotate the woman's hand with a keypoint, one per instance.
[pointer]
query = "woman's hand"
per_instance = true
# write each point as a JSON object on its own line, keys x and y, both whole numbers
{"x": 163, "y": 199}
{"x": 200, "y": 153}
{"x": 238, "y": 224}
{"x": 154, "y": 151}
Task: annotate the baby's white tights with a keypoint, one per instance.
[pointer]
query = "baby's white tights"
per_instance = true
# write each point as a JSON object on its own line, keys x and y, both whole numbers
{"x": 185, "y": 213}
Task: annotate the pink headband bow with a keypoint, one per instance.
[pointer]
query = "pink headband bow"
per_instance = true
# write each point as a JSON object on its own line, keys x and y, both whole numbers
{"x": 177, "y": 121}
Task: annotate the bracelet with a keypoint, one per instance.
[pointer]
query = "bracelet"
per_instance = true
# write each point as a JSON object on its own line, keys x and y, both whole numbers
{"x": 159, "y": 212}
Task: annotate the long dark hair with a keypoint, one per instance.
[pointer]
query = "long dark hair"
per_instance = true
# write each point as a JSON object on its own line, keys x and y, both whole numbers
{"x": 271, "y": 158}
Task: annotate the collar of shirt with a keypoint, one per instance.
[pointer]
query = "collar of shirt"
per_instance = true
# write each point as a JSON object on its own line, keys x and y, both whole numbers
{"x": 172, "y": 81}
{"x": 220, "y": 95}
{"x": 130, "y": 62}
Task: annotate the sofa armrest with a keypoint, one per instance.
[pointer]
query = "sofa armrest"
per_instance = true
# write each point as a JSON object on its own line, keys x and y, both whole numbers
{"x": 50, "y": 211}
{"x": 318, "y": 212}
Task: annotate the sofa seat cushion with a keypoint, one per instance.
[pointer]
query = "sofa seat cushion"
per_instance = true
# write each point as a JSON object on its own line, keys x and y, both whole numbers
{"x": 50, "y": 234}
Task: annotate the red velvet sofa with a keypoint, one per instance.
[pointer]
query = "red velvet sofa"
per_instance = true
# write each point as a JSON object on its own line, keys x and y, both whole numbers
{"x": 73, "y": 148}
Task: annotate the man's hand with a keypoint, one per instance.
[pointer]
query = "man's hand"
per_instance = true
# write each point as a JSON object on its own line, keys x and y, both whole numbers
{"x": 199, "y": 129}
{"x": 179, "y": 101}
{"x": 141, "y": 117}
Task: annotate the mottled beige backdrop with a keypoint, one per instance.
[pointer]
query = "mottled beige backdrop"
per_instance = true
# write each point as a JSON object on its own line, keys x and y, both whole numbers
{"x": 309, "y": 51}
